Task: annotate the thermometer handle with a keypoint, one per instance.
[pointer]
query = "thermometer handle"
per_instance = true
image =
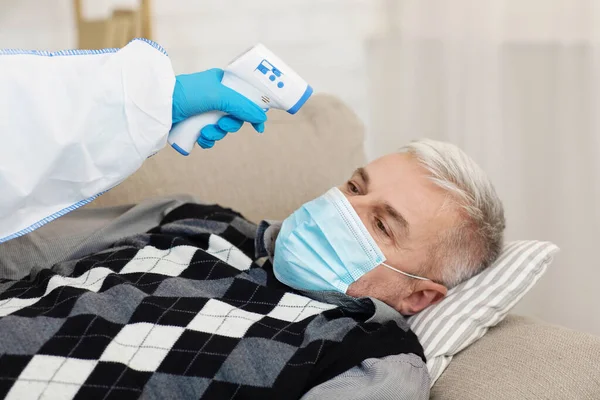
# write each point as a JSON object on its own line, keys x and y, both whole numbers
{"x": 184, "y": 135}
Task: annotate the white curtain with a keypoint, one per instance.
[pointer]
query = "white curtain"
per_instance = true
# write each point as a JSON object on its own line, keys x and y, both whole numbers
{"x": 516, "y": 84}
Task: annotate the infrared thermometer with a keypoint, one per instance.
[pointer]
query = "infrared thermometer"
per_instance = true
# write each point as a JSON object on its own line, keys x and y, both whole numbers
{"x": 260, "y": 76}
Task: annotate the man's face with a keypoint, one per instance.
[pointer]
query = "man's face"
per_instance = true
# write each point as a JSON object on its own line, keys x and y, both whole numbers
{"x": 404, "y": 211}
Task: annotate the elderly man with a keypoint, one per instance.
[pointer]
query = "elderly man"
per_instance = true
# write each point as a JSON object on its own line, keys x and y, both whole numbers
{"x": 208, "y": 305}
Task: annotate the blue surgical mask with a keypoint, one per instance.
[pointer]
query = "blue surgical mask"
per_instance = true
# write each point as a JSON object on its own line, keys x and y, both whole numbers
{"x": 325, "y": 246}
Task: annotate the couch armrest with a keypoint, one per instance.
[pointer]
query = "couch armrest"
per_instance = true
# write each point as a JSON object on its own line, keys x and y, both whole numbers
{"x": 523, "y": 358}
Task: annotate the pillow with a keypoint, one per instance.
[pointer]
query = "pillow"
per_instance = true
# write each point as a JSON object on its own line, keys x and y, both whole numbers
{"x": 479, "y": 303}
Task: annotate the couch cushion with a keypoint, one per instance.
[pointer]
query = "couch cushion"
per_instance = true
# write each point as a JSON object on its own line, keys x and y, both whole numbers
{"x": 522, "y": 358}
{"x": 263, "y": 176}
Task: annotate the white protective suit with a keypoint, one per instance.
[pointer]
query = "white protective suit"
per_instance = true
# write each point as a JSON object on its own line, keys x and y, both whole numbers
{"x": 75, "y": 124}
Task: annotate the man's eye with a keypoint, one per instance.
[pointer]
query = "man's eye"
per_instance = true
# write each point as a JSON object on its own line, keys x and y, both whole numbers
{"x": 381, "y": 226}
{"x": 353, "y": 188}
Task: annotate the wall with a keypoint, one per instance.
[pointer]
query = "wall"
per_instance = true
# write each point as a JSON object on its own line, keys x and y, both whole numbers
{"x": 34, "y": 24}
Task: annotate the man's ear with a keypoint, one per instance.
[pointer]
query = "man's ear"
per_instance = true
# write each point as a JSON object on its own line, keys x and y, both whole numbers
{"x": 425, "y": 294}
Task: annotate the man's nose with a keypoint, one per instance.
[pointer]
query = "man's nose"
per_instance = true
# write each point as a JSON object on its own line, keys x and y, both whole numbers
{"x": 359, "y": 203}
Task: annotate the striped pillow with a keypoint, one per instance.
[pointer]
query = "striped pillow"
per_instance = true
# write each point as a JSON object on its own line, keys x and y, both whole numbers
{"x": 479, "y": 303}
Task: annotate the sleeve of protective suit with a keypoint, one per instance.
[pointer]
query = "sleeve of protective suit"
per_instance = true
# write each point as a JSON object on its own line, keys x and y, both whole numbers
{"x": 74, "y": 124}
{"x": 395, "y": 377}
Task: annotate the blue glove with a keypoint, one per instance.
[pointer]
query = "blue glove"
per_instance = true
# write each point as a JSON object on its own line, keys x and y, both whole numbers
{"x": 201, "y": 92}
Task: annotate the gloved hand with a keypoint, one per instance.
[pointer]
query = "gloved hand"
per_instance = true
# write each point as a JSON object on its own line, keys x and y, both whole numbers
{"x": 201, "y": 92}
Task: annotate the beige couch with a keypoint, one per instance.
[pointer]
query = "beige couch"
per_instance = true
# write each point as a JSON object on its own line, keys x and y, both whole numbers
{"x": 301, "y": 156}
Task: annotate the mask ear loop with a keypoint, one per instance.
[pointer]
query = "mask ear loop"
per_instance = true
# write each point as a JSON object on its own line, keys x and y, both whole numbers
{"x": 406, "y": 273}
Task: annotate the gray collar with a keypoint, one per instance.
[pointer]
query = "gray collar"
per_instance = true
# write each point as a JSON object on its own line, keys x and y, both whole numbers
{"x": 264, "y": 241}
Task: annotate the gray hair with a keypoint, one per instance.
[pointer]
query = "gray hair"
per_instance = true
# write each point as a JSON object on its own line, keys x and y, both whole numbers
{"x": 473, "y": 244}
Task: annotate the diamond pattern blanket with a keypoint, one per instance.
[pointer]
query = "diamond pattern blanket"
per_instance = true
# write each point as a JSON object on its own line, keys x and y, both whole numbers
{"x": 184, "y": 311}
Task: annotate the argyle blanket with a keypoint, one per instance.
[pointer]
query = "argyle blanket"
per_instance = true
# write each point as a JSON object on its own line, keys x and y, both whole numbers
{"x": 184, "y": 311}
